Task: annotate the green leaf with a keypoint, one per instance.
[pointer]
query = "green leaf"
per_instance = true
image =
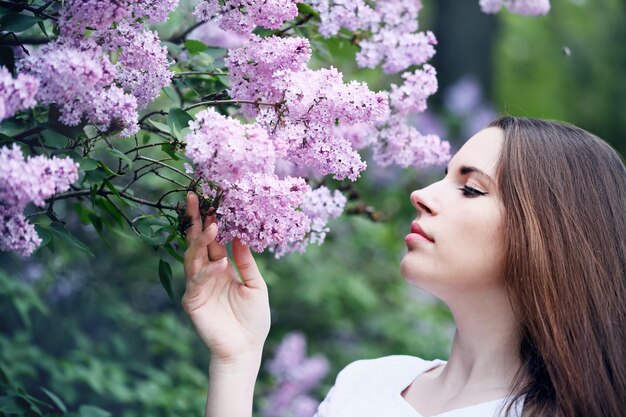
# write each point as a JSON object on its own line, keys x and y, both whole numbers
{"x": 119, "y": 154}
{"x": 107, "y": 169}
{"x": 42, "y": 26}
{"x": 59, "y": 231}
{"x": 17, "y": 22}
{"x": 177, "y": 120}
{"x": 3, "y": 376}
{"x": 44, "y": 234}
{"x": 54, "y": 139}
{"x": 171, "y": 94}
{"x": 88, "y": 164}
{"x": 195, "y": 46}
{"x": 305, "y": 8}
{"x": 106, "y": 206}
{"x": 57, "y": 401}
{"x": 92, "y": 411}
{"x": 169, "y": 249}
{"x": 162, "y": 127}
{"x": 169, "y": 149}
{"x": 113, "y": 189}
{"x": 165, "y": 275}
{"x": 150, "y": 228}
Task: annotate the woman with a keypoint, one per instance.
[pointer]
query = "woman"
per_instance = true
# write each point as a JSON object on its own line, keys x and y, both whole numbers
{"x": 524, "y": 240}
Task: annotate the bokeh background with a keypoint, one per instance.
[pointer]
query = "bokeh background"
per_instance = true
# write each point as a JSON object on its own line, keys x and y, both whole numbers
{"x": 101, "y": 336}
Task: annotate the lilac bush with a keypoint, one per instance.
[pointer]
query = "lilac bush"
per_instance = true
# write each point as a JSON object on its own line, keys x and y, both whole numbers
{"x": 252, "y": 128}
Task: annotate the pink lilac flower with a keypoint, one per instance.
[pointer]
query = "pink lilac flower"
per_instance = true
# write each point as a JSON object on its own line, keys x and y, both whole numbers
{"x": 224, "y": 150}
{"x": 522, "y": 7}
{"x": 529, "y": 7}
{"x": 16, "y": 94}
{"x": 79, "y": 82}
{"x": 211, "y": 34}
{"x": 295, "y": 375}
{"x": 79, "y": 15}
{"x": 16, "y": 233}
{"x": 396, "y": 50}
{"x": 242, "y": 16}
{"x": 260, "y": 209}
{"x": 253, "y": 68}
{"x": 314, "y": 102}
{"x": 28, "y": 181}
{"x": 395, "y": 41}
{"x": 411, "y": 96}
{"x": 350, "y": 14}
{"x": 320, "y": 205}
{"x": 491, "y": 6}
{"x": 142, "y": 64}
{"x": 360, "y": 135}
{"x": 400, "y": 143}
{"x": 317, "y": 101}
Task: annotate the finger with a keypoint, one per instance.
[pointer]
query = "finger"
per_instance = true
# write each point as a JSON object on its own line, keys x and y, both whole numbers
{"x": 203, "y": 276}
{"x": 216, "y": 251}
{"x": 193, "y": 211}
{"x": 247, "y": 265}
{"x": 196, "y": 255}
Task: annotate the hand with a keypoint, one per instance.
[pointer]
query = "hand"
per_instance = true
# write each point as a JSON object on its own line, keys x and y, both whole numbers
{"x": 232, "y": 316}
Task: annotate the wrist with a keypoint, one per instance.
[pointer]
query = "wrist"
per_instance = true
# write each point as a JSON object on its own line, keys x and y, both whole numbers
{"x": 245, "y": 362}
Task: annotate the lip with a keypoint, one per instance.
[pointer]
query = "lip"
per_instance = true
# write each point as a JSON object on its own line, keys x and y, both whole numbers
{"x": 416, "y": 229}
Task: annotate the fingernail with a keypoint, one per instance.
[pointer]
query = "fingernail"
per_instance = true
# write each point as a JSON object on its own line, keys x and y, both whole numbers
{"x": 189, "y": 194}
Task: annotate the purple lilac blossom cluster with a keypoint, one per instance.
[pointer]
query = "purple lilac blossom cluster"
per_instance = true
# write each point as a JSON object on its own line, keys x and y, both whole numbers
{"x": 522, "y": 7}
{"x": 260, "y": 210}
{"x": 76, "y": 71}
{"x": 296, "y": 126}
{"x": 396, "y": 43}
{"x": 16, "y": 94}
{"x": 255, "y": 205}
{"x": 319, "y": 205}
{"x": 273, "y": 69}
{"x": 242, "y": 16}
{"x": 23, "y": 182}
{"x": 295, "y": 375}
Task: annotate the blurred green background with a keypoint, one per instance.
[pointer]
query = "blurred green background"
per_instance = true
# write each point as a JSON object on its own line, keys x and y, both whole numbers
{"x": 101, "y": 332}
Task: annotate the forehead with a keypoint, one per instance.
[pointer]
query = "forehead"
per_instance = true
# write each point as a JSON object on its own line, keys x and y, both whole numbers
{"x": 481, "y": 151}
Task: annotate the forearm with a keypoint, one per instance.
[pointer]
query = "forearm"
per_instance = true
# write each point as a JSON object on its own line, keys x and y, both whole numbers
{"x": 231, "y": 386}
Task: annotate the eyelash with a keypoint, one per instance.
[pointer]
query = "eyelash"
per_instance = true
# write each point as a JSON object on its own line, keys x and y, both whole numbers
{"x": 471, "y": 192}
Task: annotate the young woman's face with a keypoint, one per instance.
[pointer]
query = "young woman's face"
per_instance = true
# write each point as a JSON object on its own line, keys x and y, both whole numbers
{"x": 461, "y": 215}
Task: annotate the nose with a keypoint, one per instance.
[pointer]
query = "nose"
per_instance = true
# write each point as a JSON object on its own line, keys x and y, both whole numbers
{"x": 424, "y": 202}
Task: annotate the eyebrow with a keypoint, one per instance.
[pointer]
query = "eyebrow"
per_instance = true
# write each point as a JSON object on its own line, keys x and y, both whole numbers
{"x": 465, "y": 170}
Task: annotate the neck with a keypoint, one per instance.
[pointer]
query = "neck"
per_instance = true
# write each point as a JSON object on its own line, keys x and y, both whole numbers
{"x": 485, "y": 351}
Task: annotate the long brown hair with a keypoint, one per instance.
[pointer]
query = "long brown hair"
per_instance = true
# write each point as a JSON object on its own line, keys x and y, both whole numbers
{"x": 564, "y": 194}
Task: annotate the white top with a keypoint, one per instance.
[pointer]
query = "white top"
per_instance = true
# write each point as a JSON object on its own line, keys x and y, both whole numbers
{"x": 373, "y": 388}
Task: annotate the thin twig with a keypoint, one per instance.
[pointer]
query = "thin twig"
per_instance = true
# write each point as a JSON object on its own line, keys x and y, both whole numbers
{"x": 102, "y": 192}
{"x": 182, "y": 36}
{"x": 130, "y": 223}
{"x": 165, "y": 165}
{"x": 218, "y": 102}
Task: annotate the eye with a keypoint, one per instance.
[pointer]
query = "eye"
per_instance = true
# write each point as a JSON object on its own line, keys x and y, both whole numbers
{"x": 471, "y": 192}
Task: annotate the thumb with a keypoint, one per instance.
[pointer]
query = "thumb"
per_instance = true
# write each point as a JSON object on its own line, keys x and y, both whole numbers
{"x": 247, "y": 265}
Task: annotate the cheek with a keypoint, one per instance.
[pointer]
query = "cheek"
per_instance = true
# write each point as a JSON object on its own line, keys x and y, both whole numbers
{"x": 467, "y": 255}
{"x": 474, "y": 255}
